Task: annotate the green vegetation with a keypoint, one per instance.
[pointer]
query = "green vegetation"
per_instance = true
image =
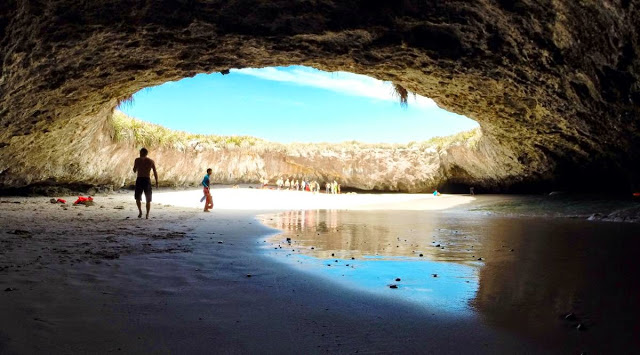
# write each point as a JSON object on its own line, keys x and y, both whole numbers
{"x": 467, "y": 138}
{"x": 129, "y": 129}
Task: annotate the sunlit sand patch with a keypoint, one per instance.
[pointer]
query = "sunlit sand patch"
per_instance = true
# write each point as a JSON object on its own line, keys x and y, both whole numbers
{"x": 257, "y": 199}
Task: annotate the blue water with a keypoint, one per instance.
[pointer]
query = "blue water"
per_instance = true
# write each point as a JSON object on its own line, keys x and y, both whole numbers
{"x": 385, "y": 254}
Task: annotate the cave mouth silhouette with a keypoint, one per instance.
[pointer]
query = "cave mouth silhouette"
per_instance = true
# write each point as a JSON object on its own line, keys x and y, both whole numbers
{"x": 295, "y": 104}
{"x": 553, "y": 86}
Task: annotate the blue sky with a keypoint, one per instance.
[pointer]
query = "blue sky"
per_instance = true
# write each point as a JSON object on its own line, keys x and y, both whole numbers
{"x": 294, "y": 104}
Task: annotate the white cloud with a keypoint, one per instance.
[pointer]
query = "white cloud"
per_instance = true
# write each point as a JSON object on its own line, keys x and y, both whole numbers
{"x": 341, "y": 82}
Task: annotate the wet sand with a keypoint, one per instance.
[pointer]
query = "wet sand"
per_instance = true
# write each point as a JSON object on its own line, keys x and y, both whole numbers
{"x": 98, "y": 280}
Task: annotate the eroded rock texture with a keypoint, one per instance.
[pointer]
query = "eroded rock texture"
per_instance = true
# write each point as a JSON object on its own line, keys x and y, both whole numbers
{"x": 554, "y": 84}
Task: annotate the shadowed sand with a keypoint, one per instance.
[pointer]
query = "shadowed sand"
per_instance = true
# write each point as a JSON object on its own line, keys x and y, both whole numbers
{"x": 98, "y": 280}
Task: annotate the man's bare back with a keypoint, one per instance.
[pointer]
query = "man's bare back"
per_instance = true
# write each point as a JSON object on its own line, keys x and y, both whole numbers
{"x": 142, "y": 166}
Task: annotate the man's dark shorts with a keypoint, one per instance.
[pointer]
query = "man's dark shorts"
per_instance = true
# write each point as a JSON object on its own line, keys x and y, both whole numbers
{"x": 143, "y": 184}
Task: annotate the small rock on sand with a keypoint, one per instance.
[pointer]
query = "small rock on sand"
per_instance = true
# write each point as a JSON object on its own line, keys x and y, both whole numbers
{"x": 393, "y": 286}
{"x": 9, "y": 289}
{"x": 398, "y": 279}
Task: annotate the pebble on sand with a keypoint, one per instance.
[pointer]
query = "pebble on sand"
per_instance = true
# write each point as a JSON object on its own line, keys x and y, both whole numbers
{"x": 19, "y": 232}
{"x": 398, "y": 279}
{"x": 393, "y": 286}
{"x": 570, "y": 316}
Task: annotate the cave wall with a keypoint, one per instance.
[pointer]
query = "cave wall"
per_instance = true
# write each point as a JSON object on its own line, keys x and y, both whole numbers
{"x": 553, "y": 84}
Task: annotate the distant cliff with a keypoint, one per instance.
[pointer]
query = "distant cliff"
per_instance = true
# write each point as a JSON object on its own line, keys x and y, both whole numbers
{"x": 182, "y": 159}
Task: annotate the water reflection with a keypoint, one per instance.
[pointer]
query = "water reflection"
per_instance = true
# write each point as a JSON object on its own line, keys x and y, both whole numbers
{"x": 370, "y": 250}
{"x": 520, "y": 274}
{"x": 386, "y": 234}
{"x": 564, "y": 274}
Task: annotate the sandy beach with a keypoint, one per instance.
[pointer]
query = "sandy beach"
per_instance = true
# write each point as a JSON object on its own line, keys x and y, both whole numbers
{"x": 96, "y": 279}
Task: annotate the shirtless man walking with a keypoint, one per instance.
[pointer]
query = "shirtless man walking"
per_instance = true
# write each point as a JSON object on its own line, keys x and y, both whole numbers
{"x": 143, "y": 166}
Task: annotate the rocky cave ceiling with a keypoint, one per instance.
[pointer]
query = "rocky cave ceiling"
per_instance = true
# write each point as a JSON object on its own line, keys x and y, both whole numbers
{"x": 553, "y": 83}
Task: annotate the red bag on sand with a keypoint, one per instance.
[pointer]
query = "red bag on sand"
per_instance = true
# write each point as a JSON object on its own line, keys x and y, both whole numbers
{"x": 81, "y": 200}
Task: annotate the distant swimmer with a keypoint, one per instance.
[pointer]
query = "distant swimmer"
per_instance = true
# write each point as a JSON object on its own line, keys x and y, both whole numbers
{"x": 143, "y": 166}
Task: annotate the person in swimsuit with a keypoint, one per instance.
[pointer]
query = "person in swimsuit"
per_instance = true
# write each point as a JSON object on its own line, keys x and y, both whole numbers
{"x": 206, "y": 183}
{"x": 142, "y": 167}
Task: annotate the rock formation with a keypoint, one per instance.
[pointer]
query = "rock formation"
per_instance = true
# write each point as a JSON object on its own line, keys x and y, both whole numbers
{"x": 553, "y": 83}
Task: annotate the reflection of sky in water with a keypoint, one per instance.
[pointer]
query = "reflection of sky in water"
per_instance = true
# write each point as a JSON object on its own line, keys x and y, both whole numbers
{"x": 532, "y": 271}
{"x": 386, "y": 245}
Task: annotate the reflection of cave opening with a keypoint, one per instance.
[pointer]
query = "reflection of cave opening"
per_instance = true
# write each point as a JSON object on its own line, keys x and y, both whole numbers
{"x": 295, "y": 104}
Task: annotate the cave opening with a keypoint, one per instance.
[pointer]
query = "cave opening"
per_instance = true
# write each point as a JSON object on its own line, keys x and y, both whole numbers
{"x": 295, "y": 104}
{"x": 257, "y": 124}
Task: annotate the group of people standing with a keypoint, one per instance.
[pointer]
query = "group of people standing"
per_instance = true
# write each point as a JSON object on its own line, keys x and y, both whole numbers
{"x": 304, "y": 185}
